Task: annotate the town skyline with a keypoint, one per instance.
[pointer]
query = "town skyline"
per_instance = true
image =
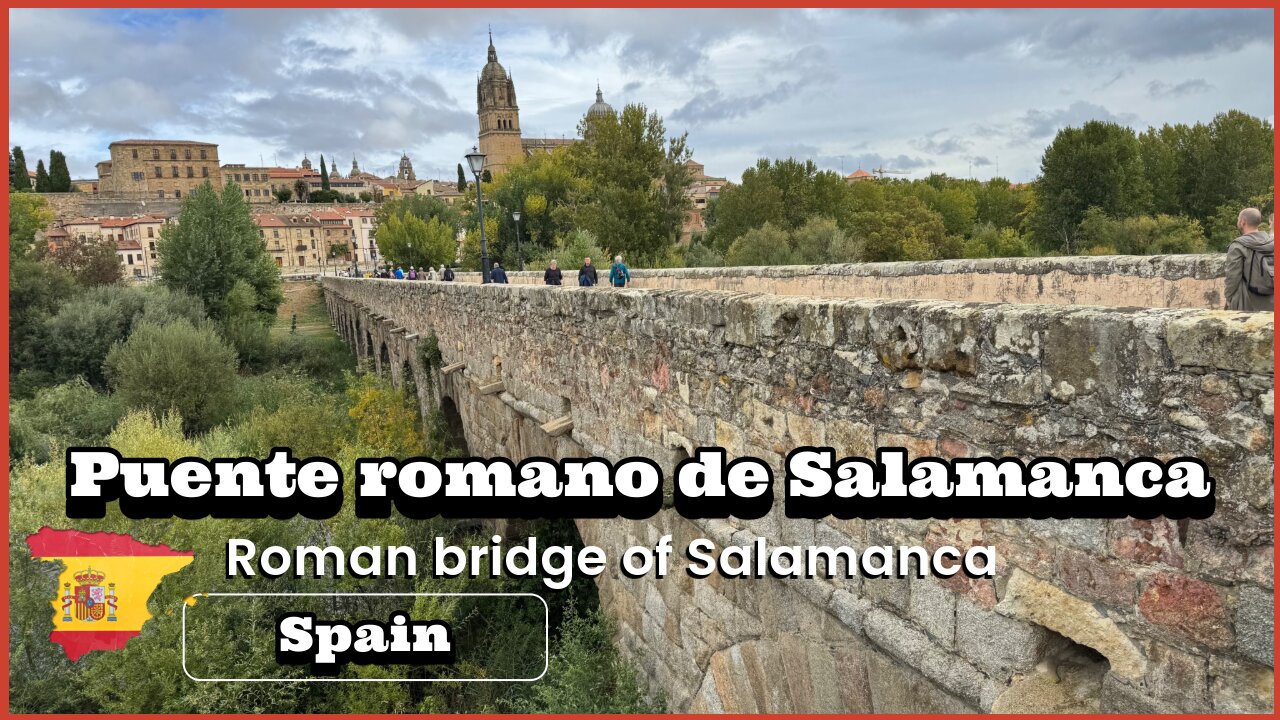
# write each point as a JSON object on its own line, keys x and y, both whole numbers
{"x": 964, "y": 93}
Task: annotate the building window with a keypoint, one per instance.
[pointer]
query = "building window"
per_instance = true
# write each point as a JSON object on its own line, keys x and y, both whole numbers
{"x": 155, "y": 153}
{"x": 203, "y": 154}
{"x": 151, "y": 232}
{"x": 130, "y": 256}
{"x": 177, "y": 193}
{"x": 175, "y": 171}
{"x": 275, "y": 233}
{"x": 204, "y": 172}
{"x": 139, "y": 176}
{"x": 173, "y": 154}
{"x": 188, "y": 153}
{"x": 135, "y": 153}
{"x": 158, "y": 172}
{"x": 191, "y": 172}
{"x": 246, "y": 193}
{"x": 302, "y": 261}
{"x": 160, "y": 194}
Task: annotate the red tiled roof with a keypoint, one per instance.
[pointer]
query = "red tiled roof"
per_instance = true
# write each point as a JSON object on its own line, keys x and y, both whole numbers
{"x": 265, "y": 220}
{"x": 859, "y": 173}
{"x": 128, "y": 245}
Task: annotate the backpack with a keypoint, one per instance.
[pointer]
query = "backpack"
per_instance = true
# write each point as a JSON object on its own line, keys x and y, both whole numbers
{"x": 447, "y": 275}
{"x": 1260, "y": 272}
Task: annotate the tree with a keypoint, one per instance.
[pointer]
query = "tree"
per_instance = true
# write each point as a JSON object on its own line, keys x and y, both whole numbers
{"x": 366, "y": 196}
{"x": 42, "y": 178}
{"x": 1096, "y": 165}
{"x": 408, "y": 240}
{"x": 301, "y": 190}
{"x": 462, "y": 179}
{"x": 765, "y": 245}
{"x": 786, "y": 193}
{"x": 59, "y": 176}
{"x": 214, "y": 244}
{"x": 90, "y": 262}
{"x": 28, "y": 215}
{"x": 21, "y": 180}
{"x": 282, "y": 194}
{"x": 324, "y": 175}
{"x": 177, "y": 367}
{"x": 634, "y": 181}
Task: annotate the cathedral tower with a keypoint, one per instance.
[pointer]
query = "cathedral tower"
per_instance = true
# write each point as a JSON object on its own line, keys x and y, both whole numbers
{"x": 499, "y": 115}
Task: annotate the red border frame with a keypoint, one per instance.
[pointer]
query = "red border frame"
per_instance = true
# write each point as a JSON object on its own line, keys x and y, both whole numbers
{"x": 4, "y": 302}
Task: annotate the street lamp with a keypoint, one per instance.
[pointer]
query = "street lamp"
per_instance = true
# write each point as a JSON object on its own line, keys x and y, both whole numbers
{"x": 519, "y": 252}
{"x": 475, "y": 159}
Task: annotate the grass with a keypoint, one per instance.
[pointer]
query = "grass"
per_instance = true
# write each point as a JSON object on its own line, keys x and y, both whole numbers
{"x": 304, "y": 300}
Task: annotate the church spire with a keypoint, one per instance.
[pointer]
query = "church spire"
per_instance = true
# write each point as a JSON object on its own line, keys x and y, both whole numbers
{"x": 599, "y": 95}
{"x": 493, "y": 52}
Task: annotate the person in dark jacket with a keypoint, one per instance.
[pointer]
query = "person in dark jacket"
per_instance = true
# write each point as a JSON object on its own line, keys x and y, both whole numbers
{"x": 447, "y": 274}
{"x": 587, "y": 275}
{"x": 498, "y": 275}
{"x": 1250, "y": 278}
{"x": 552, "y": 275}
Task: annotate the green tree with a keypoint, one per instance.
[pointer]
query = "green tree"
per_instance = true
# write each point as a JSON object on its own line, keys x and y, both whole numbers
{"x": 176, "y": 367}
{"x": 786, "y": 193}
{"x": 462, "y": 179}
{"x": 59, "y": 176}
{"x": 21, "y": 180}
{"x": 282, "y": 194}
{"x": 301, "y": 190}
{"x": 765, "y": 245}
{"x": 42, "y": 178}
{"x": 324, "y": 175}
{"x": 636, "y": 176}
{"x": 28, "y": 215}
{"x": 407, "y": 240}
{"x": 1097, "y": 165}
{"x": 1141, "y": 235}
{"x": 214, "y": 244}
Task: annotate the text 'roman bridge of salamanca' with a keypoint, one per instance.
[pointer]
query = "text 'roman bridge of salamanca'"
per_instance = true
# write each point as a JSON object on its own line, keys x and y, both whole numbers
{"x": 1066, "y": 357}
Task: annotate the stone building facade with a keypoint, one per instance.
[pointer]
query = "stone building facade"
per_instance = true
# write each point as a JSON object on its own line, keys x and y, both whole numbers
{"x": 255, "y": 181}
{"x": 158, "y": 169}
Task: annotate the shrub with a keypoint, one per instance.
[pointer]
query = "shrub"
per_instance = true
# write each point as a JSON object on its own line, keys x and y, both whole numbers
{"x": 176, "y": 367}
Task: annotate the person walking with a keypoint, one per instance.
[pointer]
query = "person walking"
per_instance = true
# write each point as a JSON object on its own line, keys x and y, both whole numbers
{"x": 587, "y": 274}
{"x": 498, "y": 275}
{"x": 552, "y": 275}
{"x": 619, "y": 275}
{"x": 1250, "y": 279}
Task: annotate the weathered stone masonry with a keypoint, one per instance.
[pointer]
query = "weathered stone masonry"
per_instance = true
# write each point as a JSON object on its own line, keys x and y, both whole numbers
{"x": 1175, "y": 616}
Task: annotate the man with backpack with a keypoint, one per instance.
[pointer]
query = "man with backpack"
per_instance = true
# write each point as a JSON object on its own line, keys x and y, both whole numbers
{"x": 447, "y": 273}
{"x": 619, "y": 275}
{"x": 1250, "y": 265}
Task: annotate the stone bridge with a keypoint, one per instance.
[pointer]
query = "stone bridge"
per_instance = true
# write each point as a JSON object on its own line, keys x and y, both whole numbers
{"x": 1073, "y": 357}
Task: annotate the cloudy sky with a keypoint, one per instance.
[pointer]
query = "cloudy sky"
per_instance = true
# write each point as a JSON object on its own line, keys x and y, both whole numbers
{"x": 961, "y": 92}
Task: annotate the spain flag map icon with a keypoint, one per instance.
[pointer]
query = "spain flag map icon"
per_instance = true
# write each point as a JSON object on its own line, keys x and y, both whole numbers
{"x": 103, "y": 590}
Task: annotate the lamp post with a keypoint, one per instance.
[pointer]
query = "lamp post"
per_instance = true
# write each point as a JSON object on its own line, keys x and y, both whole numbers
{"x": 475, "y": 159}
{"x": 519, "y": 251}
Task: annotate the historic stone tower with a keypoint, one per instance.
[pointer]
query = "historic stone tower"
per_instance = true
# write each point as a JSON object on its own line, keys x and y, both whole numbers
{"x": 499, "y": 115}
{"x": 406, "y": 168}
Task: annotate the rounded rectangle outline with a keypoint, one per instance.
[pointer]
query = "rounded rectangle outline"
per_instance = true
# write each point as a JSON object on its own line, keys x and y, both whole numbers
{"x": 546, "y": 655}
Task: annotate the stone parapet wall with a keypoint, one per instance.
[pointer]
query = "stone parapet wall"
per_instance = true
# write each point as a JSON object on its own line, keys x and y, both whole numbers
{"x": 1174, "y": 281}
{"x": 1148, "y": 616}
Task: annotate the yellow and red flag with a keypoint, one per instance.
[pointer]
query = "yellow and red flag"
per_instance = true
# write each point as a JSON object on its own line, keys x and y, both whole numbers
{"x": 103, "y": 590}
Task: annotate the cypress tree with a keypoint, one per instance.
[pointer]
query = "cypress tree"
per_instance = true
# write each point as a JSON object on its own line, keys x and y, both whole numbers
{"x": 486, "y": 176}
{"x": 324, "y": 175}
{"x": 59, "y": 176}
{"x": 42, "y": 177}
{"x": 462, "y": 179}
{"x": 21, "y": 180}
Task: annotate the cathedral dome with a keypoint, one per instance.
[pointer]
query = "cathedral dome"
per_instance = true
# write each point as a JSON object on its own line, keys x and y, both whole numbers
{"x": 599, "y": 107}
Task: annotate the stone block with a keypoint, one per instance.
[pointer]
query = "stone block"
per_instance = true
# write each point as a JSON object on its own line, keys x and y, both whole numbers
{"x": 1240, "y": 687}
{"x": 1178, "y": 678}
{"x": 1241, "y": 342}
{"x": 1255, "y": 624}
{"x": 999, "y": 645}
{"x": 1190, "y": 608}
{"x": 933, "y": 608}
